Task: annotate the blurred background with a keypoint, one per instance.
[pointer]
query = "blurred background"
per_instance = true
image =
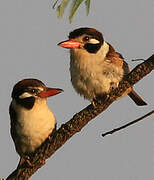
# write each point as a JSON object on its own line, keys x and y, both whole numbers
{"x": 29, "y": 34}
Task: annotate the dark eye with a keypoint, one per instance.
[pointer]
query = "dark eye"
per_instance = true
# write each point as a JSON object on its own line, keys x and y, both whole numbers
{"x": 86, "y": 38}
{"x": 33, "y": 91}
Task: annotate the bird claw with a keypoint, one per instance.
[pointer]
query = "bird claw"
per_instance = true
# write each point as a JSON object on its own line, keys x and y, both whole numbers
{"x": 26, "y": 159}
{"x": 94, "y": 102}
{"x": 98, "y": 99}
{"x": 53, "y": 131}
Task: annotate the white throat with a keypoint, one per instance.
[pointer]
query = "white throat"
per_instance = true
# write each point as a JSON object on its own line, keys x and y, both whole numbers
{"x": 34, "y": 125}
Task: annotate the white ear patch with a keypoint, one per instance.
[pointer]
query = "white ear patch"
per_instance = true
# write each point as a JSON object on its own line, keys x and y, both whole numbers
{"x": 94, "y": 41}
{"x": 40, "y": 88}
{"x": 25, "y": 95}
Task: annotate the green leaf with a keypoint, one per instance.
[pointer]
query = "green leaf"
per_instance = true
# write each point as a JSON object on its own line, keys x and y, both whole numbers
{"x": 87, "y": 3}
{"x": 75, "y": 6}
{"x": 61, "y": 8}
{"x": 55, "y": 4}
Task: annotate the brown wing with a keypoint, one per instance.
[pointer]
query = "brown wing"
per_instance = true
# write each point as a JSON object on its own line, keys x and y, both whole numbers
{"x": 13, "y": 123}
{"x": 118, "y": 60}
{"x": 115, "y": 57}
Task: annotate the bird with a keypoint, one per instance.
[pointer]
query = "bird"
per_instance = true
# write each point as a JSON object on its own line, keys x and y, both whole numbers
{"x": 31, "y": 120}
{"x": 95, "y": 67}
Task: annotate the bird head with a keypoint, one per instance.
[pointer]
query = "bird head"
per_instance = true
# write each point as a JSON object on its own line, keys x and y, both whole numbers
{"x": 26, "y": 91}
{"x": 88, "y": 39}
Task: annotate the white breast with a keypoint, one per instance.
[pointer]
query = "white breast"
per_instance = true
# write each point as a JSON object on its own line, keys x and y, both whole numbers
{"x": 34, "y": 125}
{"x": 91, "y": 74}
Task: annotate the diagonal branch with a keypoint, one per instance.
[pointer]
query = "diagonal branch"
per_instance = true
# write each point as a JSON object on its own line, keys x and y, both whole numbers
{"x": 128, "y": 124}
{"x": 79, "y": 120}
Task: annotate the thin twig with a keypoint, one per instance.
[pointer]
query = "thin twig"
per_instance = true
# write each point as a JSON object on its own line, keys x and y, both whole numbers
{"x": 138, "y": 59}
{"x": 128, "y": 124}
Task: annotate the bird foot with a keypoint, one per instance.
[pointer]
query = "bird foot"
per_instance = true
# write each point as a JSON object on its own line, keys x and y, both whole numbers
{"x": 24, "y": 159}
{"x": 98, "y": 99}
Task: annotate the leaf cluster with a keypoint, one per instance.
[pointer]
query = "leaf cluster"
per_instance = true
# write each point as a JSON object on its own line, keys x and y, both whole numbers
{"x": 60, "y": 8}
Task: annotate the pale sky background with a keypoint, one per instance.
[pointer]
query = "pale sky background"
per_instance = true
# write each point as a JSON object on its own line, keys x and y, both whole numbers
{"x": 29, "y": 33}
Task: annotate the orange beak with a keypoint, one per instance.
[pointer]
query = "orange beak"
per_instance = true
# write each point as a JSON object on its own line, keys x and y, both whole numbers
{"x": 70, "y": 44}
{"x": 49, "y": 92}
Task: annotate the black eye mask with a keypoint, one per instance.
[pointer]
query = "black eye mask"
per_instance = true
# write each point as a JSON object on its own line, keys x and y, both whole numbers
{"x": 27, "y": 103}
{"x": 92, "y": 48}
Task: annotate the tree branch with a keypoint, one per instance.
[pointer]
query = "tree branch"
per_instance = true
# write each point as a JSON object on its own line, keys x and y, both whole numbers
{"x": 79, "y": 120}
{"x": 128, "y": 124}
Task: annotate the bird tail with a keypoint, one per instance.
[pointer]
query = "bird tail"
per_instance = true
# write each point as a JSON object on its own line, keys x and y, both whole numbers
{"x": 136, "y": 98}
